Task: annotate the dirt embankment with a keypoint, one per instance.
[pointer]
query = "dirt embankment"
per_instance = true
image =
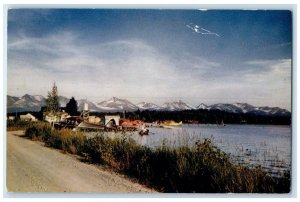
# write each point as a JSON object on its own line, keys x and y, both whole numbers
{"x": 31, "y": 167}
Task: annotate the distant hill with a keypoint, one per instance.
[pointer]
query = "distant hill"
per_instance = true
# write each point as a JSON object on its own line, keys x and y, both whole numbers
{"x": 92, "y": 106}
{"x": 177, "y": 106}
{"x": 148, "y": 106}
{"x": 35, "y": 102}
{"x": 246, "y": 108}
{"x": 116, "y": 104}
{"x": 25, "y": 103}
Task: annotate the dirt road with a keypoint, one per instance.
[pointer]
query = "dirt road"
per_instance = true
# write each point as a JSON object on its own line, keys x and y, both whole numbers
{"x": 31, "y": 167}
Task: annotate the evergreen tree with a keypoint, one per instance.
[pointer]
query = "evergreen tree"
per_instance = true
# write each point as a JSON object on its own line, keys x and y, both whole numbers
{"x": 72, "y": 107}
{"x": 52, "y": 103}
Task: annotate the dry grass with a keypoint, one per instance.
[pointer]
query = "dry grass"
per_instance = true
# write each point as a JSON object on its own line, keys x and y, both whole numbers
{"x": 17, "y": 125}
{"x": 201, "y": 169}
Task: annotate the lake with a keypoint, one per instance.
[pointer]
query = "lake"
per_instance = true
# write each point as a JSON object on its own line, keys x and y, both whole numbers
{"x": 267, "y": 146}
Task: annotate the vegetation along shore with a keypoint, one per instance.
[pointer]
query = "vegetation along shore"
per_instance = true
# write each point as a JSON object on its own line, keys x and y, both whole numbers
{"x": 202, "y": 168}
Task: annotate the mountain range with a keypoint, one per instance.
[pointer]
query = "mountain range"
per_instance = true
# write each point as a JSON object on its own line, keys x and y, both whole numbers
{"x": 35, "y": 102}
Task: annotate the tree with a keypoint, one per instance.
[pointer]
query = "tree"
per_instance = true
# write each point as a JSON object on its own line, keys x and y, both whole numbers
{"x": 52, "y": 103}
{"x": 72, "y": 107}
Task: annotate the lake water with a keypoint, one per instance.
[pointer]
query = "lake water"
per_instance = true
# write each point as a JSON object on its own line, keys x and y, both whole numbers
{"x": 266, "y": 146}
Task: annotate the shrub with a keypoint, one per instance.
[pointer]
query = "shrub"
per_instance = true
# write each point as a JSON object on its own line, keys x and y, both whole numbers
{"x": 202, "y": 168}
{"x": 17, "y": 125}
{"x": 32, "y": 132}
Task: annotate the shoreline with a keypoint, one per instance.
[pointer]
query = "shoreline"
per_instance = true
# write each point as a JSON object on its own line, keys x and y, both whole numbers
{"x": 203, "y": 168}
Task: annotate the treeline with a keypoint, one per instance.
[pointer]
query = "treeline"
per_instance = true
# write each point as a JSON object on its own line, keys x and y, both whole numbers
{"x": 204, "y": 117}
{"x": 188, "y": 116}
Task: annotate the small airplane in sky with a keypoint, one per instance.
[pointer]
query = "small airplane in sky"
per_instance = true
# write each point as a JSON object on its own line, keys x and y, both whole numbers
{"x": 200, "y": 30}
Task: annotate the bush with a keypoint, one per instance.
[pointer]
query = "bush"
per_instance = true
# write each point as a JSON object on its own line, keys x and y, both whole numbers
{"x": 202, "y": 168}
{"x": 67, "y": 140}
{"x": 32, "y": 133}
{"x": 13, "y": 125}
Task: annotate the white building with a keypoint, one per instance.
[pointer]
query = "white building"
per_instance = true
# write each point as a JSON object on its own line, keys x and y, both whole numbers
{"x": 113, "y": 118}
{"x": 11, "y": 118}
{"x": 94, "y": 119}
{"x": 60, "y": 116}
{"x": 28, "y": 117}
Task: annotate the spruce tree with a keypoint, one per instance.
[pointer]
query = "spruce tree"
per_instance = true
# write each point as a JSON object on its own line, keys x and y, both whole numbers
{"x": 52, "y": 103}
{"x": 72, "y": 107}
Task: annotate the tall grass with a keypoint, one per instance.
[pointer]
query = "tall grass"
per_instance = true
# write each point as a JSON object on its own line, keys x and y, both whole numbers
{"x": 13, "y": 125}
{"x": 202, "y": 168}
{"x": 67, "y": 140}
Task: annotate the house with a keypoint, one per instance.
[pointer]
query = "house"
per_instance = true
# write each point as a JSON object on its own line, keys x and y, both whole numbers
{"x": 59, "y": 116}
{"x": 63, "y": 115}
{"x": 94, "y": 119}
{"x": 28, "y": 117}
{"x": 11, "y": 118}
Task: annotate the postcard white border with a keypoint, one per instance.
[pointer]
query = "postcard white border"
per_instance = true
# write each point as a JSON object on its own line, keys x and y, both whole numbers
{"x": 193, "y": 4}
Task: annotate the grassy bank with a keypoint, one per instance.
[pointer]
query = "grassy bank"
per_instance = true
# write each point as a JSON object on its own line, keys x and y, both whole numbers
{"x": 13, "y": 125}
{"x": 202, "y": 168}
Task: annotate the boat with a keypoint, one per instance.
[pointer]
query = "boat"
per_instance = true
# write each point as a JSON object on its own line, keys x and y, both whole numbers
{"x": 68, "y": 123}
{"x": 222, "y": 123}
{"x": 172, "y": 123}
{"x": 166, "y": 126}
{"x": 132, "y": 124}
{"x": 88, "y": 125}
{"x": 192, "y": 122}
{"x": 155, "y": 124}
{"x": 144, "y": 131}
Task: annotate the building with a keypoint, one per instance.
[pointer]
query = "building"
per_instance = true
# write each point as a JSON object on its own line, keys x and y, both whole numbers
{"x": 112, "y": 118}
{"x": 28, "y": 117}
{"x": 11, "y": 118}
{"x": 59, "y": 116}
{"x": 94, "y": 119}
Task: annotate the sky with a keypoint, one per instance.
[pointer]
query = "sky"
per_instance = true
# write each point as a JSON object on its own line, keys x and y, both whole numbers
{"x": 197, "y": 56}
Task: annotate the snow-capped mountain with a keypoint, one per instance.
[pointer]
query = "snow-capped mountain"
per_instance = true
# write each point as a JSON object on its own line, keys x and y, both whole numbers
{"x": 148, "y": 106}
{"x": 226, "y": 107}
{"x": 202, "y": 106}
{"x": 30, "y": 102}
{"x": 91, "y": 106}
{"x": 63, "y": 100}
{"x": 25, "y": 103}
{"x": 176, "y": 106}
{"x": 270, "y": 111}
{"x": 11, "y": 100}
{"x": 35, "y": 102}
{"x": 246, "y": 108}
{"x": 116, "y": 104}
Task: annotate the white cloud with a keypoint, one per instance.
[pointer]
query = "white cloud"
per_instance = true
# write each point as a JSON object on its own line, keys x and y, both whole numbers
{"x": 264, "y": 82}
{"x": 125, "y": 68}
{"x": 135, "y": 70}
{"x": 275, "y": 83}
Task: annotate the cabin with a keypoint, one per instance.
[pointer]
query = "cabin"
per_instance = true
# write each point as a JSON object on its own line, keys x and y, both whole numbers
{"x": 11, "y": 118}
{"x": 63, "y": 115}
{"x": 28, "y": 117}
{"x": 94, "y": 119}
{"x": 59, "y": 116}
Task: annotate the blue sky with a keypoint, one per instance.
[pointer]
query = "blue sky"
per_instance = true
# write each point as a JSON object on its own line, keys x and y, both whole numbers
{"x": 213, "y": 56}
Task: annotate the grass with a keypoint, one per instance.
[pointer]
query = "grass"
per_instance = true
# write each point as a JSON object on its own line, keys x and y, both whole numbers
{"x": 66, "y": 140}
{"x": 202, "y": 168}
{"x": 13, "y": 125}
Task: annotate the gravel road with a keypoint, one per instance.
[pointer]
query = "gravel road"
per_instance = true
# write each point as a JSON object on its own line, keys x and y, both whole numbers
{"x": 31, "y": 167}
